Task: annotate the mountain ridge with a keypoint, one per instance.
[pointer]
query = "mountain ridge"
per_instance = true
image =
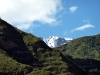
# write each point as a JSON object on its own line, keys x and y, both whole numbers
{"x": 55, "y": 41}
{"x": 22, "y": 53}
{"x": 85, "y": 49}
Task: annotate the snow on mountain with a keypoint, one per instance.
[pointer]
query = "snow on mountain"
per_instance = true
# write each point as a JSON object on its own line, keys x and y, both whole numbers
{"x": 55, "y": 41}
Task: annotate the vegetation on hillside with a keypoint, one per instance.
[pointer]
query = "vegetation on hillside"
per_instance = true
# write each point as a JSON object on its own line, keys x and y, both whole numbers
{"x": 22, "y": 53}
{"x": 84, "y": 50}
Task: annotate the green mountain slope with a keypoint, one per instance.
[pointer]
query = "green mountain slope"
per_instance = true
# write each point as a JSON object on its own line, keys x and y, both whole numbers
{"x": 24, "y": 54}
{"x": 85, "y": 52}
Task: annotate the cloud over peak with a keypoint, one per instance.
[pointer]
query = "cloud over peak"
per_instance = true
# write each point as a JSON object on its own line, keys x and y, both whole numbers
{"x": 73, "y": 9}
{"x": 83, "y": 27}
{"x": 26, "y": 11}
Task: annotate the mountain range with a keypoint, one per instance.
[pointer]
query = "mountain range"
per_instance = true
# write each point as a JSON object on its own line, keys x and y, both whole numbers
{"x": 22, "y": 53}
{"x": 55, "y": 41}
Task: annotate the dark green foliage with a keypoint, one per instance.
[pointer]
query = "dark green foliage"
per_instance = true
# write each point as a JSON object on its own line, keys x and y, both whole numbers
{"x": 85, "y": 47}
{"x": 9, "y": 66}
{"x": 24, "y": 54}
{"x": 85, "y": 52}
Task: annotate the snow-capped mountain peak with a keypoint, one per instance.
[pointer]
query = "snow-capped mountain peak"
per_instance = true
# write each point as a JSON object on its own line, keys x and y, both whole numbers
{"x": 52, "y": 41}
{"x": 55, "y": 41}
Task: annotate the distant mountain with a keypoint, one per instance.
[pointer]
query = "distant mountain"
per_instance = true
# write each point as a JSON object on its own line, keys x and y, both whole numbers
{"x": 55, "y": 41}
{"x": 85, "y": 52}
{"x": 22, "y": 53}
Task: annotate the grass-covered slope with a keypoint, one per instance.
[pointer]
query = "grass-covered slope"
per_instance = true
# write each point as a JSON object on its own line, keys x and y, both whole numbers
{"x": 85, "y": 52}
{"x": 25, "y": 54}
{"x": 85, "y": 47}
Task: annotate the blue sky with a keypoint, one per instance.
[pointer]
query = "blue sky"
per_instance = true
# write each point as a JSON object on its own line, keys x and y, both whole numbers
{"x": 63, "y": 18}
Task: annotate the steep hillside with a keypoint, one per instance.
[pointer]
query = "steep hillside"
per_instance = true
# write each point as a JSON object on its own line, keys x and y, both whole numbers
{"x": 85, "y": 52}
{"x": 85, "y": 47}
{"x": 24, "y": 54}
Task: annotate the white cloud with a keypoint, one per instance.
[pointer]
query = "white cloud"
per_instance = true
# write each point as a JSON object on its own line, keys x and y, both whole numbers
{"x": 23, "y": 12}
{"x": 73, "y": 9}
{"x": 27, "y": 25}
{"x": 83, "y": 27}
{"x": 23, "y": 26}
